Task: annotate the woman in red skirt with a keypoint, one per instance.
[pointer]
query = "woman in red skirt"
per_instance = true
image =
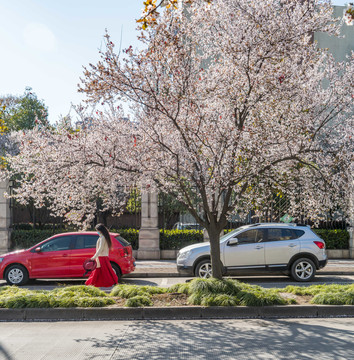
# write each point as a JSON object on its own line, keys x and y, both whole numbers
{"x": 103, "y": 275}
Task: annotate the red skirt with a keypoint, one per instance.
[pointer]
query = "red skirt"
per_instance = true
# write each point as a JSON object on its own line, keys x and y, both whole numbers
{"x": 103, "y": 276}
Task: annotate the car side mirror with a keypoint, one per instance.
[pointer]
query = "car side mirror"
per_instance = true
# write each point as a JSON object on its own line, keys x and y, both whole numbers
{"x": 233, "y": 242}
{"x": 38, "y": 249}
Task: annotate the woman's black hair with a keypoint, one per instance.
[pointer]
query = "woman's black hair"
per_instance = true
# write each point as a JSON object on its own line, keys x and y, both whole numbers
{"x": 104, "y": 231}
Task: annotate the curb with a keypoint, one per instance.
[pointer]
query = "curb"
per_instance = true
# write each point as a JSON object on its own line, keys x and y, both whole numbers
{"x": 176, "y": 313}
{"x": 162, "y": 275}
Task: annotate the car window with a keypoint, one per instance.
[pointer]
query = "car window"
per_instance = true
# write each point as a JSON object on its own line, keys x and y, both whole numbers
{"x": 261, "y": 235}
{"x": 281, "y": 234}
{"x": 248, "y": 237}
{"x": 122, "y": 241}
{"x": 298, "y": 233}
{"x": 57, "y": 244}
{"x": 86, "y": 241}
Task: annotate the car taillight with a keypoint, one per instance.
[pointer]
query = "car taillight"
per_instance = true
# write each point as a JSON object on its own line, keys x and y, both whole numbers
{"x": 123, "y": 252}
{"x": 320, "y": 244}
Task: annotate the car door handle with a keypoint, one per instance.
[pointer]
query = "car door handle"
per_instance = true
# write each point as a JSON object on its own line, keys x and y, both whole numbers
{"x": 65, "y": 255}
{"x": 292, "y": 245}
{"x": 259, "y": 247}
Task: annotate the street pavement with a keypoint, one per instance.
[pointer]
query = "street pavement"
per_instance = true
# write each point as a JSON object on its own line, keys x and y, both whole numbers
{"x": 155, "y": 268}
{"x": 275, "y": 339}
{"x": 164, "y": 273}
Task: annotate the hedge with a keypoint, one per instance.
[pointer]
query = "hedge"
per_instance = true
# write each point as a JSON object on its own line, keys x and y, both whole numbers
{"x": 131, "y": 235}
{"x": 169, "y": 239}
{"x": 24, "y": 239}
{"x": 177, "y": 239}
{"x": 335, "y": 239}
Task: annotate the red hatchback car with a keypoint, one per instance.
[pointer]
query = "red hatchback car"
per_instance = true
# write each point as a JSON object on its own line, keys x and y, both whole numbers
{"x": 62, "y": 256}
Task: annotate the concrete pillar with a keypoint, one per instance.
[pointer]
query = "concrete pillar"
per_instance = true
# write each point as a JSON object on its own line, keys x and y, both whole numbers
{"x": 351, "y": 223}
{"x": 351, "y": 242}
{"x": 4, "y": 217}
{"x": 149, "y": 233}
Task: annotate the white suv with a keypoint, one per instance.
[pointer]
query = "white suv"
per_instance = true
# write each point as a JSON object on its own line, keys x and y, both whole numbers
{"x": 288, "y": 248}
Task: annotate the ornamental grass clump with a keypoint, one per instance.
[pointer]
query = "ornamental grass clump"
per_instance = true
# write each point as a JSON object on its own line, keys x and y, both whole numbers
{"x": 260, "y": 297}
{"x": 318, "y": 289}
{"x": 219, "y": 300}
{"x": 139, "y": 301}
{"x": 228, "y": 292}
{"x": 81, "y": 290}
{"x": 215, "y": 286}
{"x": 71, "y": 296}
{"x": 179, "y": 288}
{"x": 129, "y": 291}
{"x": 27, "y": 301}
{"x": 334, "y": 298}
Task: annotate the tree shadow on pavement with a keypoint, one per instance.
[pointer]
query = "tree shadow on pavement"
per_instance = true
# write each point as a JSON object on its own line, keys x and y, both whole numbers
{"x": 231, "y": 339}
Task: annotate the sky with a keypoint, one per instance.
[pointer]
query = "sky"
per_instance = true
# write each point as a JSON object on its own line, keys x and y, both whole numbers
{"x": 46, "y": 43}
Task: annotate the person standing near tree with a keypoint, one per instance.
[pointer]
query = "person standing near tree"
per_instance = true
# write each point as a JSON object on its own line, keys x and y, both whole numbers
{"x": 103, "y": 275}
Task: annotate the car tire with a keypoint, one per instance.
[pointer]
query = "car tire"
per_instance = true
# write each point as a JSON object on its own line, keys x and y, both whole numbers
{"x": 203, "y": 269}
{"x": 16, "y": 275}
{"x": 117, "y": 270}
{"x": 303, "y": 270}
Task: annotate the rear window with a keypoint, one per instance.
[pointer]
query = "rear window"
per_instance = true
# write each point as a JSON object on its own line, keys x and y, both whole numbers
{"x": 86, "y": 241}
{"x": 122, "y": 241}
{"x": 298, "y": 233}
{"x": 279, "y": 234}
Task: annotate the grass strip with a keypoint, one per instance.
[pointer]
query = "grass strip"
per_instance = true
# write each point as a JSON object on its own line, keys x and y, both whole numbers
{"x": 204, "y": 292}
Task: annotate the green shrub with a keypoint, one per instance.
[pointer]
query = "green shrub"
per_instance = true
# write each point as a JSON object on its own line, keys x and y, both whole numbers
{"x": 131, "y": 235}
{"x": 334, "y": 238}
{"x": 24, "y": 239}
{"x": 177, "y": 239}
{"x": 138, "y": 301}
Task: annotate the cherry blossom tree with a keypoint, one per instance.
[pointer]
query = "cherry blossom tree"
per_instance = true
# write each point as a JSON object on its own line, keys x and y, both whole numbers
{"x": 70, "y": 169}
{"x": 232, "y": 102}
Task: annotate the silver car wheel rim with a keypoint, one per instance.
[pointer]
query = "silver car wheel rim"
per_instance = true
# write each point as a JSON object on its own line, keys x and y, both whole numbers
{"x": 205, "y": 271}
{"x": 303, "y": 270}
{"x": 15, "y": 276}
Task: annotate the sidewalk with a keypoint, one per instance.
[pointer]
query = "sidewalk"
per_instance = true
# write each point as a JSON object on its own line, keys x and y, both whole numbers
{"x": 168, "y": 268}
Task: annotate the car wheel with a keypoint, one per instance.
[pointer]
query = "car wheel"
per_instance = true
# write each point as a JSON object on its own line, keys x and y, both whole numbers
{"x": 16, "y": 275}
{"x": 203, "y": 269}
{"x": 303, "y": 270}
{"x": 118, "y": 272}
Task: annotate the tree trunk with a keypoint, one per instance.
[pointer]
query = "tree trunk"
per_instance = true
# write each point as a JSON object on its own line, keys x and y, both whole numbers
{"x": 216, "y": 265}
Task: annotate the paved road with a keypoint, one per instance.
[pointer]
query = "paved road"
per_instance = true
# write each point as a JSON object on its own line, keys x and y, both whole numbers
{"x": 297, "y": 339}
{"x": 267, "y": 282}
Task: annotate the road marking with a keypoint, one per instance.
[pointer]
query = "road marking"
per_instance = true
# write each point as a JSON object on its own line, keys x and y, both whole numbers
{"x": 164, "y": 282}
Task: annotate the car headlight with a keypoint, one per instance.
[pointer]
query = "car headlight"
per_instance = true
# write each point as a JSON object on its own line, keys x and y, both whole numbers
{"x": 183, "y": 255}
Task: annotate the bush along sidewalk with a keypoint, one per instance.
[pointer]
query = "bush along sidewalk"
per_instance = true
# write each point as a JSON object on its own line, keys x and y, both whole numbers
{"x": 203, "y": 292}
{"x": 71, "y": 296}
{"x": 169, "y": 239}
